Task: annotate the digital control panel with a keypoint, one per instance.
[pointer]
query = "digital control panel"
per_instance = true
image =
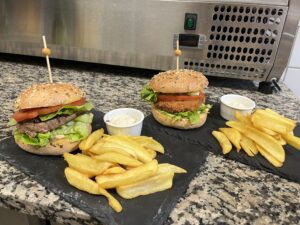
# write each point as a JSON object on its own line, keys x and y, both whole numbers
{"x": 189, "y": 41}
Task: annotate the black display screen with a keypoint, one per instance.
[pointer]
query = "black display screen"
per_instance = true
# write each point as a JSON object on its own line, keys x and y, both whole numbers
{"x": 189, "y": 40}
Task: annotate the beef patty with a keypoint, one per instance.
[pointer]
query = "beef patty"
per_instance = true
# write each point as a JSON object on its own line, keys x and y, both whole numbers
{"x": 33, "y": 127}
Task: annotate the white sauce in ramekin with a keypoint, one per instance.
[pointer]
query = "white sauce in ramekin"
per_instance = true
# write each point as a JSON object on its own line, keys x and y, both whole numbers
{"x": 236, "y": 104}
{"x": 123, "y": 120}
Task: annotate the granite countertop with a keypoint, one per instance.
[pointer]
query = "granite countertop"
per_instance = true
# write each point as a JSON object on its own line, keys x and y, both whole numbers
{"x": 223, "y": 192}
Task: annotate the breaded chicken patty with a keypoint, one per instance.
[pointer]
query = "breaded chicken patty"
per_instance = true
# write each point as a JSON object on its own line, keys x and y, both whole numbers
{"x": 178, "y": 106}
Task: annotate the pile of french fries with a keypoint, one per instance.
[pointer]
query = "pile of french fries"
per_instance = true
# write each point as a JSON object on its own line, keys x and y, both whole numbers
{"x": 264, "y": 131}
{"x": 125, "y": 163}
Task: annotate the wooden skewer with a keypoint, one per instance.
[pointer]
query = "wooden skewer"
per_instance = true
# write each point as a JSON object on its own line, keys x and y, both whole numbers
{"x": 177, "y": 53}
{"x": 46, "y": 51}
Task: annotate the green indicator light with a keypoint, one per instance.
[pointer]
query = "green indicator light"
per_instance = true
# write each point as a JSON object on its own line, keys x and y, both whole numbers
{"x": 190, "y": 23}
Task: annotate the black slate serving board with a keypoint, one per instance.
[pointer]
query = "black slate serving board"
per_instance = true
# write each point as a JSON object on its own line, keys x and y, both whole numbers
{"x": 202, "y": 136}
{"x": 151, "y": 209}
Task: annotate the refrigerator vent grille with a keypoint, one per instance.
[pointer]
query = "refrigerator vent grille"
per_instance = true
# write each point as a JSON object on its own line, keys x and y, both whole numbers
{"x": 242, "y": 41}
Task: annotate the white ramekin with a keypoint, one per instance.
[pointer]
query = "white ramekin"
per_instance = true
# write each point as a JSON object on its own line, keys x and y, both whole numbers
{"x": 132, "y": 130}
{"x": 231, "y": 103}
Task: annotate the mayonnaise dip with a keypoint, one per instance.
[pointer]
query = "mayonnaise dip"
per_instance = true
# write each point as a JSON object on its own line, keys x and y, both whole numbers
{"x": 236, "y": 104}
{"x": 122, "y": 120}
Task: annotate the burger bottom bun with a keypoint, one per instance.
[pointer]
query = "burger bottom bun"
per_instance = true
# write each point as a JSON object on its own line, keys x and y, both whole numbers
{"x": 50, "y": 149}
{"x": 180, "y": 124}
{"x": 55, "y": 147}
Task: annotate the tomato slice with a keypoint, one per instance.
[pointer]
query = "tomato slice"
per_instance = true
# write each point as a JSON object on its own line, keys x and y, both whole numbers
{"x": 29, "y": 114}
{"x": 163, "y": 97}
{"x": 51, "y": 109}
{"x": 32, "y": 113}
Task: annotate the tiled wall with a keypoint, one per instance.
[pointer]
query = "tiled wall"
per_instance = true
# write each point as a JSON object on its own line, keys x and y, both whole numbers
{"x": 292, "y": 73}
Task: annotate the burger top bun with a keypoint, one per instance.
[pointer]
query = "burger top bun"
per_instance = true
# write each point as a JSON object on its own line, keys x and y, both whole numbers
{"x": 48, "y": 94}
{"x": 180, "y": 124}
{"x": 181, "y": 81}
{"x": 55, "y": 147}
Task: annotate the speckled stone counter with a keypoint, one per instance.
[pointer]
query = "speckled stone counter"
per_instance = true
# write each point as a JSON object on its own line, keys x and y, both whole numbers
{"x": 223, "y": 192}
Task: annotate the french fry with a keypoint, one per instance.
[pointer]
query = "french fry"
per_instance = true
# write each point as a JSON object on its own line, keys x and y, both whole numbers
{"x": 266, "y": 142}
{"x": 151, "y": 152}
{"x": 159, "y": 182}
{"x": 287, "y": 120}
{"x": 93, "y": 138}
{"x": 102, "y": 139}
{"x": 166, "y": 167}
{"x": 259, "y": 120}
{"x": 128, "y": 177}
{"x": 272, "y": 112}
{"x": 241, "y": 118}
{"x": 237, "y": 125}
{"x": 233, "y": 136}
{"x": 277, "y": 119}
{"x": 128, "y": 143}
{"x": 268, "y": 156}
{"x": 114, "y": 157}
{"x": 82, "y": 182}
{"x": 149, "y": 142}
{"x": 100, "y": 148}
{"x": 85, "y": 164}
{"x": 223, "y": 141}
{"x": 292, "y": 140}
{"x": 267, "y": 131}
{"x": 259, "y": 137}
{"x": 122, "y": 162}
{"x": 114, "y": 203}
{"x": 101, "y": 158}
{"x": 280, "y": 139}
{"x": 88, "y": 153}
{"x": 82, "y": 145}
{"x": 129, "y": 167}
{"x": 114, "y": 170}
{"x": 85, "y": 153}
{"x": 248, "y": 146}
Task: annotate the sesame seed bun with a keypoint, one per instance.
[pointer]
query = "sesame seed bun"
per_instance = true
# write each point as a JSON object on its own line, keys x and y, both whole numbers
{"x": 179, "y": 124}
{"x": 48, "y": 94}
{"x": 181, "y": 81}
{"x": 50, "y": 149}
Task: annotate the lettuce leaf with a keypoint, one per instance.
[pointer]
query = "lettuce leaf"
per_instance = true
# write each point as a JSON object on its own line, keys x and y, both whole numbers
{"x": 148, "y": 94}
{"x": 192, "y": 116}
{"x": 84, "y": 118}
{"x": 11, "y": 122}
{"x": 67, "y": 110}
{"x": 39, "y": 140}
{"x": 74, "y": 130}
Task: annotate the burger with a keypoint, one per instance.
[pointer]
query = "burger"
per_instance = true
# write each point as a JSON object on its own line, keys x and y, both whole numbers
{"x": 51, "y": 118}
{"x": 178, "y": 98}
